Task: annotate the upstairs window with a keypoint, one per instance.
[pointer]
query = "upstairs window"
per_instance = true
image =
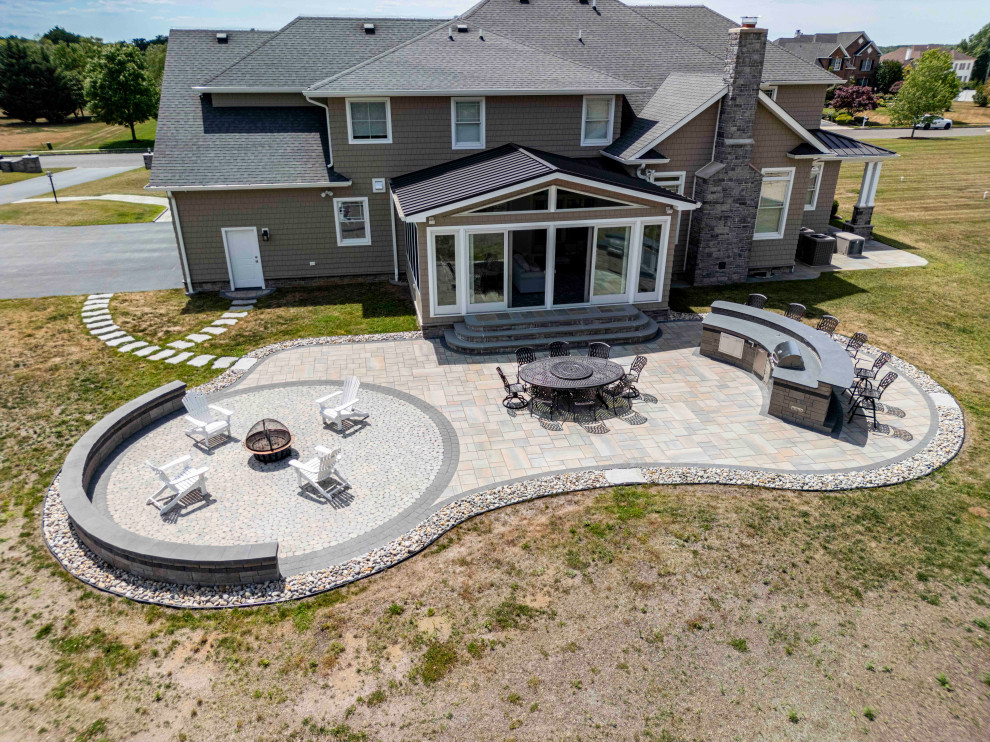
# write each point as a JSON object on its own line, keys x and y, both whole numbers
{"x": 467, "y": 122}
{"x": 866, "y": 65}
{"x": 775, "y": 194}
{"x": 596, "y": 120}
{"x": 671, "y": 181}
{"x": 837, "y": 64}
{"x": 369, "y": 121}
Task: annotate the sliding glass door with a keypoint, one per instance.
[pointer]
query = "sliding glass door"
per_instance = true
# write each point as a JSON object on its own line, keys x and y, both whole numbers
{"x": 610, "y": 271}
{"x": 486, "y": 262}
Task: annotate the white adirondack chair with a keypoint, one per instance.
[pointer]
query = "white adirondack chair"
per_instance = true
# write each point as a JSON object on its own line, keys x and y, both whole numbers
{"x": 339, "y": 406}
{"x": 176, "y": 484}
{"x": 317, "y": 470}
{"x": 205, "y": 419}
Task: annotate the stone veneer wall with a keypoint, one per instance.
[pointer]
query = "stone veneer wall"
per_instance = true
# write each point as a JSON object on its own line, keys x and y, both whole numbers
{"x": 722, "y": 230}
{"x": 142, "y": 556}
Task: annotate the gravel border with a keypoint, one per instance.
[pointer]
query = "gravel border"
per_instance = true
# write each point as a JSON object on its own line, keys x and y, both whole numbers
{"x": 79, "y": 561}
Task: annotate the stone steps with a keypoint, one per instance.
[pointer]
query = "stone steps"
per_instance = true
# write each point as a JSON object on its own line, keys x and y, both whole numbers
{"x": 579, "y": 328}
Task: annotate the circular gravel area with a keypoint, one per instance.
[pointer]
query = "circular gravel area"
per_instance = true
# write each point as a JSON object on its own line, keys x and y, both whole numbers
{"x": 391, "y": 461}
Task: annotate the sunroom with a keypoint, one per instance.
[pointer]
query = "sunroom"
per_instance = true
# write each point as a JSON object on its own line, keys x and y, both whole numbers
{"x": 516, "y": 229}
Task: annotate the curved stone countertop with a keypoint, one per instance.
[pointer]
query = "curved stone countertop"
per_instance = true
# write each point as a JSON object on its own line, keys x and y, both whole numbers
{"x": 824, "y": 359}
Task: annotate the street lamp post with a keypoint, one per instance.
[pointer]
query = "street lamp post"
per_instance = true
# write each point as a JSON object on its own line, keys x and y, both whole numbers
{"x": 52, "y": 181}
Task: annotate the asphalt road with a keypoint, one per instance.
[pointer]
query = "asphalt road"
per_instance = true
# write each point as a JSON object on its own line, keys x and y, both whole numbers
{"x": 65, "y": 261}
{"x": 858, "y": 132}
{"x": 115, "y": 160}
{"x": 40, "y": 186}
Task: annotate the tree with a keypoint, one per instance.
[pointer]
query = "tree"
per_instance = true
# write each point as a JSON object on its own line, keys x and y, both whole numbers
{"x": 978, "y": 46}
{"x": 31, "y": 86}
{"x": 59, "y": 35}
{"x": 929, "y": 88}
{"x": 854, "y": 99}
{"x": 119, "y": 89}
{"x": 889, "y": 72}
{"x": 982, "y": 96}
{"x": 74, "y": 60}
{"x": 896, "y": 87}
{"x": 154, "y": 61}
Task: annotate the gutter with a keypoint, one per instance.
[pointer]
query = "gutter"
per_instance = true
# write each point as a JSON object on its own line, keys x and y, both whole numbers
{"x": 628, "y": 161}
{"x": 251, "y": 186}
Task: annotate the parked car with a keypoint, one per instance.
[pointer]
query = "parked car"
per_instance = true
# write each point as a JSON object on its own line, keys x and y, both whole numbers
{"x": 933, "y": 122}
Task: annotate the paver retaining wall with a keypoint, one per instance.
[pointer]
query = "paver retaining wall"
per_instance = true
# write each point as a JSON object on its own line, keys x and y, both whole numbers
{"x": 140, "y": 555}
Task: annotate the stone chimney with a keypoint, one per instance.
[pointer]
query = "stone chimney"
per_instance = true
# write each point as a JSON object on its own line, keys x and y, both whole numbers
{"x": 729, "y": 187}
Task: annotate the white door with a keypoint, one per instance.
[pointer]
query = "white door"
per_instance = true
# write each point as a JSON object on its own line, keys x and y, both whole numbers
{"x": 243, "y": 258}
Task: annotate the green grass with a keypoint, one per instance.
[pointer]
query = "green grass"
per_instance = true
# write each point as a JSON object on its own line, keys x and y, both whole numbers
{"x": 131, "y": 183}
{"x": 77, "y": 213}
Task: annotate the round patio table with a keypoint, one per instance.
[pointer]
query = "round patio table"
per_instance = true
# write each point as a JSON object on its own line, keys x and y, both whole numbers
{"x": 568, "y": 372}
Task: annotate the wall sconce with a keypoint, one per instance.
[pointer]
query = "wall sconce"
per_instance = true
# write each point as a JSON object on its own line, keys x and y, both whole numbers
{"x": 265, "y": 234}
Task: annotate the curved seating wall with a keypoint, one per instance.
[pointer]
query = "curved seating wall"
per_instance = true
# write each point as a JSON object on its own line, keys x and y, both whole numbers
{"x": 146, "y": 557}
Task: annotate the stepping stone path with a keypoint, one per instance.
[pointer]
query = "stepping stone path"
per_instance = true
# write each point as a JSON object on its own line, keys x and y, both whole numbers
{"x": 98, "y": 320}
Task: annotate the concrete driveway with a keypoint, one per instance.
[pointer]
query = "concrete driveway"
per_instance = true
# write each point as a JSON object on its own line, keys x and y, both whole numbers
{"x": 64, "y": 261}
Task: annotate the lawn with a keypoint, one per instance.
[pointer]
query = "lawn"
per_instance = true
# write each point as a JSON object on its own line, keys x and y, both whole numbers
{"x": 650, "y": 613}
{"x": 7, "y": 178}
{"x": 85, "y": 133}
{"x": 79, "y": 213}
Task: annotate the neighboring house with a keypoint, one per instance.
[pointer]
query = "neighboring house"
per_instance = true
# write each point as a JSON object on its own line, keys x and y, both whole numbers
{"x": 524, "y": 155}
{"x": 908, "y": 55}
{"x": 851, "y": 55}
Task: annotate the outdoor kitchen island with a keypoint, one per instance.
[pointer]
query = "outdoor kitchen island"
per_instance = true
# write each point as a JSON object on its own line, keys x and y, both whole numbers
{"x": 803, "y": 369}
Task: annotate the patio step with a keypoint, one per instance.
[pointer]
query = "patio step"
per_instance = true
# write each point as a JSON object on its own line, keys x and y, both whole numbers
{"x": 550, "y": 317}
{"x": 637, "y": 328}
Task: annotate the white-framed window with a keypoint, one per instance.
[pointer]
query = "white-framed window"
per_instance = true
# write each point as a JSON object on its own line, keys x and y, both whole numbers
{"x": 770, "y": 91}
{"x": 866, "y": 65}
{"x": 814, "y": 183}
{"x": 369, "y": 121}
{"x": 671, "y": 181}
{"x": 352, "y": 221}
{"x": 775, "y": 195}
{"x": 596, "y": 120}
{"x": 467, "y": 123}
{"x": 837, "y": 64}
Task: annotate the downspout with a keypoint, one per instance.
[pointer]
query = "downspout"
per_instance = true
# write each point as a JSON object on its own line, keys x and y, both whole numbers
{"x": 326, "y": 108}
{"x": 395, "y": 244}
{"x": 177, "y": 226}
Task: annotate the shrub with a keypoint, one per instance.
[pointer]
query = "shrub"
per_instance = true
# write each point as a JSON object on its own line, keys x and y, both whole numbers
{"x": 829, "y": 113}
{"x": 835, "y": 209}
{"x": 844, "y": 119}
{"x": 896, "y": 87}
{"x": 982, "y": 96}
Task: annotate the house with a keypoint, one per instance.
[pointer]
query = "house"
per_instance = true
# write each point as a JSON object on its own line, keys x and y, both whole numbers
{"x": 851, "y": 55}
{"x": 525, "y": 155}
{"x": 908, "y": 55}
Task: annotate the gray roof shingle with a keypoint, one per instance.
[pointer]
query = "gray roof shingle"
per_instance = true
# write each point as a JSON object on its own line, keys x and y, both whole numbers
{"x": 502, "y": 167}
{"x": 443, "y": 62}
{"x": 679, "y": 96}
{"x": 310, "y": 49}
{"x": 199, "y": 145}
{"x": 708, "y": 29}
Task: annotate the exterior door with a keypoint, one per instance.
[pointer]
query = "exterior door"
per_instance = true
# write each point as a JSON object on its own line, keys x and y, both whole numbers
{"x": 243, "y": 258}
{"x": 487, "y": 275}
{"x": 611, "y": 258}
{"x": 652, "y": 261}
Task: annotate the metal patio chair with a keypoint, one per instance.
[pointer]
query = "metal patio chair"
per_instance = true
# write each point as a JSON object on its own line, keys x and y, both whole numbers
{"x": 795, "y": 311}
{"x": 827, "y": 324}
{"x": 869, "y": 395}
{"x": 631, "y": 378}
{"x": 757, "y": 301}
{"x": 855, "y": 343}
{"x": 559, "y": 349}
{"x": 866, "y": 376}
{"x": 599, "y": 350}
{"x": 586, "y": 399}
{"x": 543, "y": 396}
{"x": 513, "y": 393}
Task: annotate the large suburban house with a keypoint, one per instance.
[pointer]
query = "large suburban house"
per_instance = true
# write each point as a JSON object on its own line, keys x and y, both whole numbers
{"x": 962, "y": 64}
{"x": 851, "y": 55}
{"x": 525, "y": 155}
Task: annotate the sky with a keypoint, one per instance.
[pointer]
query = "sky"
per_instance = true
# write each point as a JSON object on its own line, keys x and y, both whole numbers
{"x": 887, "y": 22}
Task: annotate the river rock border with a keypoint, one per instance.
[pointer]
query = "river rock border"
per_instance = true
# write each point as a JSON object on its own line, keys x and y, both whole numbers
{"x": 79, "y": 561}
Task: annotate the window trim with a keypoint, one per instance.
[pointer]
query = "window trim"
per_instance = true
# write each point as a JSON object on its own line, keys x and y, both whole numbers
{"x": 765, "y": 172}
{"x": 552, "y": 204}
{"x": 770, "y": 91}
{"x": 454, "y": 144}
{"x": 820, "y": 167}
{"x": 680, "y": 175}
{"x": 836, "y": 64}
{"x": 585, "y": 142}
{"x": 366, "y": 240}
{"x": 388, "y": 120}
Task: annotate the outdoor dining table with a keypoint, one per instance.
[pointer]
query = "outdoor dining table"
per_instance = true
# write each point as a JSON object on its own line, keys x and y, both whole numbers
{"x": 567, "y": 373}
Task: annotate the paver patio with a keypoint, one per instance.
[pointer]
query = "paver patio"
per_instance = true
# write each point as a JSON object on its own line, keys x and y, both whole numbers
{"x": 693, "y": 410}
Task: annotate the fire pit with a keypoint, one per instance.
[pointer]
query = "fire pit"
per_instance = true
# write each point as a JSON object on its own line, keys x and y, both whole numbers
{"x": 269, "y": 440}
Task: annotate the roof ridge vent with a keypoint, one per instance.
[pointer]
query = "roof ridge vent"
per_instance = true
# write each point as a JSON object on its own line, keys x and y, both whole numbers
{"x": 369, "y": 28}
